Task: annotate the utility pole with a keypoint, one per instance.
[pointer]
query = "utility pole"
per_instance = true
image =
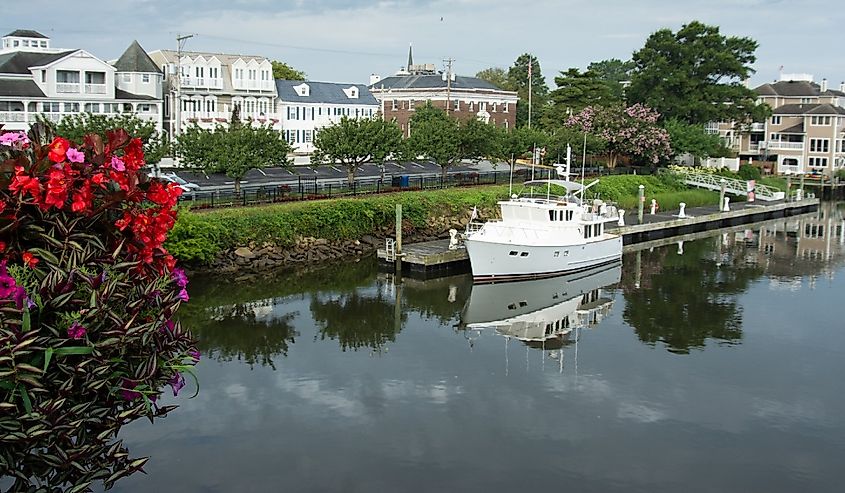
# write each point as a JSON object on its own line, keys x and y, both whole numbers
{"x": 448, "y": 84}
{"x": 180, "y": 43}
{"x": 530, "y": 64}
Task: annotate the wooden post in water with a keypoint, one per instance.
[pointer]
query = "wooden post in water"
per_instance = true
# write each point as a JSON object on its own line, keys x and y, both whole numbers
{"x": 399, "y": 237}
{"x": 641, "y": 204}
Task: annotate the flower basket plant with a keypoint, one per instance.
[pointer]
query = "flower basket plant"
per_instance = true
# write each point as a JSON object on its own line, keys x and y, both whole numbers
{"x": 87, "y": 299}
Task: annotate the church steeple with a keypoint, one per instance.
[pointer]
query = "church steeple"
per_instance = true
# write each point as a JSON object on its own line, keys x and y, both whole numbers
{"x": 410, "y": 56}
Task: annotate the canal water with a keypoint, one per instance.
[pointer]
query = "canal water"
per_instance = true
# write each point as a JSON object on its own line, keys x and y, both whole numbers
{"x": 712, "y": 365}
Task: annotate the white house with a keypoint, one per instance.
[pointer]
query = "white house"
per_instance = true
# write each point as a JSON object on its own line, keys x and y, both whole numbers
{"x": 37, "y": 79}
{"x": 212, "y": 85}
{"x": 307, "y": 106}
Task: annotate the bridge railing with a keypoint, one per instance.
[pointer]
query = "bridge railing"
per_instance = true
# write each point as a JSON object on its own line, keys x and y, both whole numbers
{"x": 732, "y": 185}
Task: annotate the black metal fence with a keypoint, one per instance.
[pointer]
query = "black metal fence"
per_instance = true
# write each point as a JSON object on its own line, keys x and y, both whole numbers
{"x": 315, "y": 189}
{"x": 321, "y": 188}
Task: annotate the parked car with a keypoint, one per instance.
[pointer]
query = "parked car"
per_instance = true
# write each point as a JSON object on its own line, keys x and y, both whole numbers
{"x": 186, "y": 186}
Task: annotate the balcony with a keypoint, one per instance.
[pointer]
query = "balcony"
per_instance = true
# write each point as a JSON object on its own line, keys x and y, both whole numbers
{"x": 253, "y": 85}
{"x": 95, "y": 88}
{"x": 12, "y": 116}
{"x": 781, "y": 145}
{"x": 758, "y": 127}
{"x": 67, "y": 87}
{"x": 204, "y": 82}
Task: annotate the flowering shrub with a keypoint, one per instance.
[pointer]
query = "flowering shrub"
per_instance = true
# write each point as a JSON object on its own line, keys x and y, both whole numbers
{"x": 87, "y": 299}
{"x": 630, "y": 130}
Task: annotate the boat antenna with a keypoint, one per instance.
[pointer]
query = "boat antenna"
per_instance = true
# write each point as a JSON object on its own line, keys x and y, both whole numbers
{"x": 584, "y": 159}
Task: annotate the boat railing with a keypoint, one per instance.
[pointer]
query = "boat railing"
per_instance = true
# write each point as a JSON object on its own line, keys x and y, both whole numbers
{"x": 474, "y": 227}
{"x": 603, "y": 212}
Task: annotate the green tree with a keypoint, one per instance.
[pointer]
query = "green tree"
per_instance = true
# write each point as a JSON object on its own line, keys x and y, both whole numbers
{"x": 75, "y": 127}
{"x": 575, "y": 91}
{"x": 353, "y": 142}
{"x": 445, "y": 140}
{"x": 496, "y": 76}
{"x": 518, "y": 79}
{"x": 282, "y": 70}
{"x": 233, "y": 150}
{"x": 693, "y": 139}
{"x": 696, "y": 75}
{"x": 518, "y": 143}
{"x": 614, "y": 72}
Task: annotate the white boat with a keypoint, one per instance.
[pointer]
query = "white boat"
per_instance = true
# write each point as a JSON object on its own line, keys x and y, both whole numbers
{"x": 542, "y": 311}
{"x": 543, "y": 236}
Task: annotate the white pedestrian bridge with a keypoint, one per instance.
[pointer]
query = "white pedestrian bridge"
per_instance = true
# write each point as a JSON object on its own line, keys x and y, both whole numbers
{"x": 732, "y": 185}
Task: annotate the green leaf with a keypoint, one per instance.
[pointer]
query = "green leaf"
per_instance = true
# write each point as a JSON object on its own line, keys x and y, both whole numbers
{"x": 27, "y": 404}
{"x": 74, "y": 350}
{"x": 48, "y": 355}
{"x": 26, "y": 323}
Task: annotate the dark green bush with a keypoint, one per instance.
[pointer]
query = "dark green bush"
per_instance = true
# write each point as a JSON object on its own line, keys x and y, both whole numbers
{"x": 749, "y": 172}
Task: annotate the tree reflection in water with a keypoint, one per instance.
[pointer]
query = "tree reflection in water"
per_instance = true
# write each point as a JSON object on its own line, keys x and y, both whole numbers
{"x": 358, "y": 319}
{"x": 683, "y": 300}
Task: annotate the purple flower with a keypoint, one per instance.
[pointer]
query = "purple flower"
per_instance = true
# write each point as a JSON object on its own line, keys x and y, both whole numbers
{"x": 176, "y": 383}
{"x": 20, "y": 297}
{"x": 7, "y": 283}
{"x": 128, "y": 391}
{"x": 194, "y": 354}
{"x": 75, "y": 156}
{"x": 168, "y": 326}
{"x": 76, "y": 331}
{"x": 16, "y": 140}
{"x": 179, "y": 277}
{"x": 183, "y": 295}
{"x": 117, "y": 164}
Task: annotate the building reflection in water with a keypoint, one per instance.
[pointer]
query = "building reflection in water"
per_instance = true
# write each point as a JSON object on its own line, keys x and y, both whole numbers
{"x": 683, "y": 297}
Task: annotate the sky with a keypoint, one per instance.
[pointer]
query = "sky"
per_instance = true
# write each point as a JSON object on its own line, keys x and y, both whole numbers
{"x": 346, "y": 41}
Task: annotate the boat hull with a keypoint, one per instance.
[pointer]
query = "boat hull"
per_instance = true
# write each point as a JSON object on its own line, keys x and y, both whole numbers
{"x": 494, "y": 262}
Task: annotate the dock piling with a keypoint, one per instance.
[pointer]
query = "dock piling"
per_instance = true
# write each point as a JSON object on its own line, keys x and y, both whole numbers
{"x": 641, "y": 204}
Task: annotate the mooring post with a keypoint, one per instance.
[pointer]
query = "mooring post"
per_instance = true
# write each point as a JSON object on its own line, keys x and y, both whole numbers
{"x": 788, "y": 186}
{"x": 723, "y": 184}
{"x": 399, "y": 237}
{"x": 641, "y": 204}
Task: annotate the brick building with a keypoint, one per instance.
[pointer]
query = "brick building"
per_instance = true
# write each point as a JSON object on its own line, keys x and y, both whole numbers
{"x": 462, "y": 97}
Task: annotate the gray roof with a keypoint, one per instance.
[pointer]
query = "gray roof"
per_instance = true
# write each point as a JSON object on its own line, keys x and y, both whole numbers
{"x": 809, "y": 109}
{"x": 323, "y": 92}
{"x": 20, "y": 87}
{"x": 135, "y": 59}
{"x": 795, "y": 129}
{"x": 26, "y": 33}
{"x": 121, "y": 94}
{"x": 795, "y": 88}
{"x": 19, "y": 62}
{"x": 432, "y": 81}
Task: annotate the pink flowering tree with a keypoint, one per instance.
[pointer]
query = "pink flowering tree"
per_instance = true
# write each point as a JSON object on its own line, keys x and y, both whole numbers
{"x": 627, "y": 131}
{"x": 88, "y": 297}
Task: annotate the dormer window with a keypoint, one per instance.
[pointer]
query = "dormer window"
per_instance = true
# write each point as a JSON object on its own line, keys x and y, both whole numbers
{"x": 303, "y": 90}
{"x": 351, "y": 92}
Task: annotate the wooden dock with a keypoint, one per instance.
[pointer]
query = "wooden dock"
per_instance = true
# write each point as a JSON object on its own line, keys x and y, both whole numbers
{"x": 433, "y": 258}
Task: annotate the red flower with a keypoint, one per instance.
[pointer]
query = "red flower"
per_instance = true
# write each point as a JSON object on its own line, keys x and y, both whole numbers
{"x": 2, "y": 246}
{"x": 2, "y": 205}
{"x": 29, "y": 259}
{"x": 58, "y": 149}
{"x": 25, "y": 183}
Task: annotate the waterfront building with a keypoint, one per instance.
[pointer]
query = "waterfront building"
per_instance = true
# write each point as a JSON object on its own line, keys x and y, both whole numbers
{"x": 36, "y": 78}
{"x": 212, "y": 85}
{"x": 806, "y": 132}
{"x": 462, "y": 97}
{"x": 306, "y": 106}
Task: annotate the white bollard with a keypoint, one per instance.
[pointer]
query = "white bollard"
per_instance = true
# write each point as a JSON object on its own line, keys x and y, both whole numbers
{"x": 621, "y": 221}
{"x": 727, "y": 206}
{"x": 653, "y": 206}
{"x": 453, "y": 239}
{"x": 681, "y": 213}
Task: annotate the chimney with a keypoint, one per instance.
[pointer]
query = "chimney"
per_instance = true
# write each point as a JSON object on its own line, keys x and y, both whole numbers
{"x": 823, "y": 87}
{"x": 374, "y": 79}
{"x": 842, "y": 86}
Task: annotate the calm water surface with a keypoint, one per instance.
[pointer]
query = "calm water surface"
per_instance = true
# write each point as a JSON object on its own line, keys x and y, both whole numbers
{"x": 714, "y": 366}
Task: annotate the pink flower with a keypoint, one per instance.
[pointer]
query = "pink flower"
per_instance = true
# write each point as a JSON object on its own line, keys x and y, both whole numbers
{"x": 75, "y": 156}
{"x": 117, "y": 164}
{"x": 76, "y": 331}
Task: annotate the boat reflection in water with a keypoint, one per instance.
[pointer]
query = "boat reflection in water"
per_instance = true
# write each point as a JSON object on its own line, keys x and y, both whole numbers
{"x": 542, "y": 313}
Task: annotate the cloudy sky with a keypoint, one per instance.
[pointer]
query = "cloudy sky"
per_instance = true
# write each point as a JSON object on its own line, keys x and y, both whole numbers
{"x": 337, "y": 40}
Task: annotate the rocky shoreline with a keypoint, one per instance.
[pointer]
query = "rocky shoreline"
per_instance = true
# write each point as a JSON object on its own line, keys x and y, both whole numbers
{"x": 248, "y": 260}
